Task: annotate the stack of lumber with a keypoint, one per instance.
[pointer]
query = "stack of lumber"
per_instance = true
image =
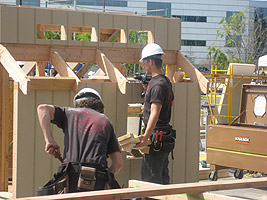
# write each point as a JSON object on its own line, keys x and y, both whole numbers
{"x": 129, "y": 140}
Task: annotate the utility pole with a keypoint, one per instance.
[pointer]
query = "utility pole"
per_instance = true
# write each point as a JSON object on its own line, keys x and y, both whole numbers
{"x": 104, "y": 5}
{"x": 20, "y": 2}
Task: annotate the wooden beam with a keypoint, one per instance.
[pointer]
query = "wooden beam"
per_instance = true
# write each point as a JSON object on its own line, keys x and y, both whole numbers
{"x": 14, "y": 70}
{"x": 63, "y": 34}
{"x": 170, "y": 71}
{"x": 63, "y": 69}
{"x": 83, "y": 70}
{"x": 28, "y": 67}
{"x": 4, "y": 131}
{"x": 192, "y": 73}
{"x": 151, "y": 191}
{"x": 178, "y": 77}
{"x": 123, "y": 36}
{"x": 40, "y": 68}
{"x": 94, "y": 35}
{"x": 50, "y": 27}
{"x": 185, "y": 196}
{"x": 40, "y": 31}
{"x": 24, "y": 52}
{"x": 52, "y": 83}
{"x": 150, "y": 38}
{"x": 73, "y": 66}
{"x": 113, "y": 73}
{"x": 112, "y": 35}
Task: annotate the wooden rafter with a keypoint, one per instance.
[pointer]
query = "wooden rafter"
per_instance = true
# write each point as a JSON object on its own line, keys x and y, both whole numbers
{"x": 112, "y": 35}
{"x": 40, "y": 69}
{"x": 112, "y": 72}
{"x": 28, "y": 67}
{"x": 193, "y": 73}
{"x": 63, "y": 69}
{"x": 14, "y": 70}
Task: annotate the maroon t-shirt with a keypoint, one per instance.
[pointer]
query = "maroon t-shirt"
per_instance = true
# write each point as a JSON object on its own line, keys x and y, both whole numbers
{"x": 159, "y": 90}
{"x": 88, "y": 135}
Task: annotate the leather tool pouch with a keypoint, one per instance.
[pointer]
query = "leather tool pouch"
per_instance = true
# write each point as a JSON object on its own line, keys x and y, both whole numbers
{"x": 166, "y": 144}
{"x": 87, "y": 178}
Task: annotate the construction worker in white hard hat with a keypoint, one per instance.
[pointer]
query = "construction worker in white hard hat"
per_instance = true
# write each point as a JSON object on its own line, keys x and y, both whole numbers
{"x": 89, "y": 138}
{"x": 156, "y": 116}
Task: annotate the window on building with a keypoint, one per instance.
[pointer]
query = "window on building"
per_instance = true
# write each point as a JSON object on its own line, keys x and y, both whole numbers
{"x": 261, "y": 15}
{"x": 29, "y": 2}
{"x": 159, "y": 9}
{"x": 191, "y": 18}
{"x": 193, "y": 43}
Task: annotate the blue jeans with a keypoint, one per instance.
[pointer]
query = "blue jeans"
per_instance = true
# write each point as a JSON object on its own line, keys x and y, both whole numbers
{"x": 155, "y": 169}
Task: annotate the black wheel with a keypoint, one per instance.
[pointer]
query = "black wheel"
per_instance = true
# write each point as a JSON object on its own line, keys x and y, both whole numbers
{"x": 238, "y": 174}
{"x": 213, "y": 176}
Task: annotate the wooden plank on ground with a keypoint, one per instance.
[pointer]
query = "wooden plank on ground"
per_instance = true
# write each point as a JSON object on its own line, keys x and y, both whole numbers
{"x": 14, "y": 69}
{"x": 28, "y": 67}
{"x": 151, "y": 191}
{"x": 192, "y": 73}
{"x": 63, "y": 69}
{"x": 209, "y": 196}
{"x": 113, "y": 73}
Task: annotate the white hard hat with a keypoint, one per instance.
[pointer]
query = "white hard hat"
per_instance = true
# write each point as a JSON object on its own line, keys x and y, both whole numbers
{"x": 84, "y": 94}
{"x": 152, "y": 49}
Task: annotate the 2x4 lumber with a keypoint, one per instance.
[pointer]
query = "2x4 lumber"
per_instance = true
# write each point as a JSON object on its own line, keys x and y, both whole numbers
{"x": 96, "y": 79}
{"x": 24, "y": 52}
{"x": 112, "y": 35}
{"x": 52, "y": 83}
{"x": 150, "y": 191}
{"x": 73, "y": 66}
{"x": 11, "y": 66}
{"x": 40, "y": 31}
{"x": 193, "y": 73}
{"x": 4, "y": 131}
{"x": 28, "y": 67}
{"x": 40, "y": 69}
{"x": 94, "y": 35}
{"x": 123, "y": 37}
{"x": 83, "y": 70}
{"x": 113, "y": 73}
{"x": 63, "y": 34}
{"x": 63, "y": 69}
{"x": 170, "y": 71}
{"x": 136, "y": 183}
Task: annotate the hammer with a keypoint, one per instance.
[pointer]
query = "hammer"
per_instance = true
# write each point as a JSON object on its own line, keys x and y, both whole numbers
{"x": 58, "y": 156}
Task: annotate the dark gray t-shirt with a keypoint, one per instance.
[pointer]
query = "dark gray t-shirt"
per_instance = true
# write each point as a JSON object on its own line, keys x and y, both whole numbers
{"x": 159, "y": 90}
{"x": 88, "y": 135}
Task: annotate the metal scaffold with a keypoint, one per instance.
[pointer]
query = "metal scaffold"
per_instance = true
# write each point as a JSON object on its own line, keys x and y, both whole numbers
{"x": 223, "y": 82}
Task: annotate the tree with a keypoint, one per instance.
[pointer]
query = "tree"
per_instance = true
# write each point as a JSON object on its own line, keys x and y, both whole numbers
{"x": 245, "y": 36}
{"x": 217, "y": 57}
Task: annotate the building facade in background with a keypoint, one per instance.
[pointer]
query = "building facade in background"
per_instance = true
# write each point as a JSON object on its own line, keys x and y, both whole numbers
{"x": 200, "y": 18}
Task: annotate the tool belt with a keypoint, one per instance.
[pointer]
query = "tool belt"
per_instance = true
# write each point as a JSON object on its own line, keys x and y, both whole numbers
{"x": 163, "y": 140}
{"x": 79, "y": 177}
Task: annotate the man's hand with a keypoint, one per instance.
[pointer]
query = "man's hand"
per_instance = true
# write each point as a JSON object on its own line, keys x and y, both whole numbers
{"x": 53, "y": 149}
{"x": 143, "y": 141}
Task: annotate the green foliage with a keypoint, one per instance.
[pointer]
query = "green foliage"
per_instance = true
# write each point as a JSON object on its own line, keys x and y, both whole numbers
{"x": 217, "y": 57}
{"x": 138, "y": 37}
{"x": 82, "y": 36}
{"x": 53, "y": 35}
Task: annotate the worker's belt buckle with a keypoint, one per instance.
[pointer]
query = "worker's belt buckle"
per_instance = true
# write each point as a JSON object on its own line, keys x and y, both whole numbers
{"x": 87, "y": 178}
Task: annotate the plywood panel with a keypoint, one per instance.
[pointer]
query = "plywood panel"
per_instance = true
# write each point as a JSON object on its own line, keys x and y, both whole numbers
{"x": 26, "y": 25}
{"x": 64, "y": 99}
{"x": 134, "y": 93}
{"x": 134, "y": 23}
{"x": 43, "y": 16}
{"x": 148, "y": 24}
{"x": 120, "y": 22}
{"x": 108, "y": 93}
{"x": 42, "y": 161}
{"x": 75, "y": 18}
{"x": 161, "y": 31}
{"x": 25, "y": 144}
{"x": 174, "y": 34}
{"x": 192, "y": 136}
{"x": 9, "y": 26}
{"x": 59, "y": 17}
{"x": 105, "y": 21}
{"x": 90, "y": 19}
{"x": 179, "y": 124}
{"x": 122, "y": 113}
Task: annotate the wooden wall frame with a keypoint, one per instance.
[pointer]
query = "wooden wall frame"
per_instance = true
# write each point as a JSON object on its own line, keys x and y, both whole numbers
{"x": 116, "y": 91}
